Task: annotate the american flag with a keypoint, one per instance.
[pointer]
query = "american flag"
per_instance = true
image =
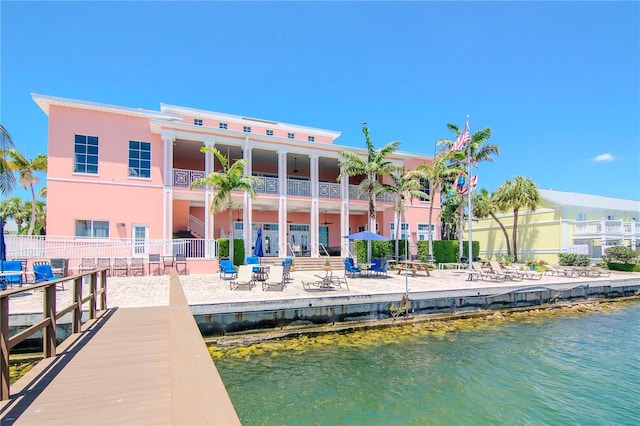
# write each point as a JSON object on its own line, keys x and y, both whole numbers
{"x": 474, "y": 182}
{"x": 462, "y": 138}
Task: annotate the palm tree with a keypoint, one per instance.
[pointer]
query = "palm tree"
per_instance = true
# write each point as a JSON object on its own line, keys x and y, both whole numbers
{"x": 522, "y": 193}
{"x": 438, "y": 174}
{"x": 27, "y": 170}
{"x": 7, "y": 178}
{"x": 231, "y": 178}
{"x": 9, "y": 208}
{"x": 485, "y": 205}
{"x": 377, "y": 164}
{"x": 406, "y": 184}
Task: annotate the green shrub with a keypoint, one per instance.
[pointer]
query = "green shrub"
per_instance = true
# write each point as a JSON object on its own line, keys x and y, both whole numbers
{"x": 572, "y": 259}
{"x": 626, "y": 267}
{"x": 238, "y": 250}
{"x": 620, "y": 254}
{"x": 378, "y": 249}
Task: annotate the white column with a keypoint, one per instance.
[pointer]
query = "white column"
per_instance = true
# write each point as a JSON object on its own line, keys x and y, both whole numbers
{"x": 168, "y": 138}
{"x": 282, "y": 204}
{"x": 344, "y": 215}
{"x": 248, "y": 204}
{"x": 314, "y": 211}
{"x": 209, "y": 220}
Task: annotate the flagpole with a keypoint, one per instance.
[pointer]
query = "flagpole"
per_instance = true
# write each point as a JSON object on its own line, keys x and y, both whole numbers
{"x": 470, "y": 203}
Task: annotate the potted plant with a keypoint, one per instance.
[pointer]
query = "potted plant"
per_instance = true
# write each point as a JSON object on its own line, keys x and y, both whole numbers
{"x": 327, "y": 265}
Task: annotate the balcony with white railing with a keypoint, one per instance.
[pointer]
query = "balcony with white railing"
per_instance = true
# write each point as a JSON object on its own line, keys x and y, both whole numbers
{"x": 329, "y": 190}
{"x": 606, "y": 229}
{"x": 183, "y": 178}
{"x": 299, "y": 187}
{"x": 354, "y": 194}
{"x": 266, "y": 185}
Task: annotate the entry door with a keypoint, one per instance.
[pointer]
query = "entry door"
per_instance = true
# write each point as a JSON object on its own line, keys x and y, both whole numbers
{"x": 270, "y": 243}
{"x": 140, "y": 238}
{"x": 299, "y": 241}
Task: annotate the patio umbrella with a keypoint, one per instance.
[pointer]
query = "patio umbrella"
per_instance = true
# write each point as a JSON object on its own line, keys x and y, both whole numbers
{"x": 3, "y": 247}
{"x": 366, "y": 236}
{"x": 257, "y": 248}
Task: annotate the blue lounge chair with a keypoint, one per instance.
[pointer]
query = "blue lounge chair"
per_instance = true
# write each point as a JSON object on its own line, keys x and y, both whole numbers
{"x": 226, "y": 268}
{"x": 253, "y": 260}
{"x": 12, "y": 266}
{"x": 45, "y": 273}
{"x": 349, "y": 268}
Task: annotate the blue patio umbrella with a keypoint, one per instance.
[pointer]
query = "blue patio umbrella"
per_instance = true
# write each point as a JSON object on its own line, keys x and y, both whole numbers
{"x": 367, "y": 236}
{"x": 257, "y": 248}
{"x": 3, "y": 246}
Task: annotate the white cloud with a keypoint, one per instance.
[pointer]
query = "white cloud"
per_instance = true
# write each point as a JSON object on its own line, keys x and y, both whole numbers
{"x": 603, "y": 158}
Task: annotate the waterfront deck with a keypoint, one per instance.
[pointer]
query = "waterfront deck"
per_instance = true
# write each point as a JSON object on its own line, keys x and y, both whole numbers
{"x": 145, "y": 365}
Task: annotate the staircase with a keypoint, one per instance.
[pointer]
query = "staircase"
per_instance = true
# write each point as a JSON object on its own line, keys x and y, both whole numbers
{"x": 308, "y": 263}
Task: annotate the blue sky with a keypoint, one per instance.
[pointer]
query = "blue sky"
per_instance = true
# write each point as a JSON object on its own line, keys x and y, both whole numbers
{"x": 557, "y": 82}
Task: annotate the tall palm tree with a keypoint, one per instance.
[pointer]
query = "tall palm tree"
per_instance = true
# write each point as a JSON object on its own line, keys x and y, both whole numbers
{"x": 377, "y": 164}
{"x": 231, "y": 178}
{"x": 438, "y": 174}
{"x": 7, "y": 178}
{"x": 406, "y": 185}
{"x": 27, "y": 170}
{"x": 521, "y": 193}
{"x": 478, "y": 150}
{"x": 485, "y": 205}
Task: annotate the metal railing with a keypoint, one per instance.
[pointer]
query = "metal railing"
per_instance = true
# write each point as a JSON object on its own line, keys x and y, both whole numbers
{"x": 97, "y": 296}
{"x": 329, "y": 190}
{"x": 183, "y": 178}
{"x": 606, "y": 227}
{"x": 266, "y": 185}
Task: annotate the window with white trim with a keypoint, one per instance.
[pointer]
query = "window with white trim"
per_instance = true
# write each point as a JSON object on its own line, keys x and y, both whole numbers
{"x": 269, "y": 132}
{"x": 246, "y": 129}
{"x": 197, "y": 121}
{"x": 139, "y": 159}
{"x": 92, "y": 229}
{"x": 423, "y": 231}
{"x": 223, "y": 126}
{"x": 404, "y": 230}
{"x": 291, "y": 135}
{"x": 610, "y": 217}
{"x": 581, "y": 217}
{"x": 311, "y": 138}
{"x": 85, "y": 154}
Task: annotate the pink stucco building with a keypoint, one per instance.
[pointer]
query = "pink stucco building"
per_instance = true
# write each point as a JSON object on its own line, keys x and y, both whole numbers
{"x": 123, "y": 173}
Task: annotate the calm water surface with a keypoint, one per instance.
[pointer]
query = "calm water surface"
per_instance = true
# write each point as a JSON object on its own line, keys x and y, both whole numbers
{"x": 574, "y": 369}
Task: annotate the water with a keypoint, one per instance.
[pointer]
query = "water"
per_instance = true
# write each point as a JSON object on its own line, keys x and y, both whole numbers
{"x": 570, "y": 369}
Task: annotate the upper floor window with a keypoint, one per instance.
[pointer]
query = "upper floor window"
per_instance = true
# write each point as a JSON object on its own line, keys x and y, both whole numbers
{"x": 609, "y": 217}
{"x": 404, "y": 230}
{"x": 223, "y": 126}
{"x": 269, "y": 132}
{"x": 246, "y": 129}
{"x": 92, "y": 228}
{"x": 425, "y": 188}
{"x": 197, "y": 121}
{"x": 581, "y": 217}
{"x": 291, "y": 135}
{"x": 85, "y": 158}
{"x": 140, "y": 159}
{"x": 311, "y": 138}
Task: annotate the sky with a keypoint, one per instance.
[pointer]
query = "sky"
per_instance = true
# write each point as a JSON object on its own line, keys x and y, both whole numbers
{"x": 558, "y": 83}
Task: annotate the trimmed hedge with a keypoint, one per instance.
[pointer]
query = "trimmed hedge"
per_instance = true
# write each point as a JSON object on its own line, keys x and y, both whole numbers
{"x": 238, "y": 250}
{"x": 625, "y": 267}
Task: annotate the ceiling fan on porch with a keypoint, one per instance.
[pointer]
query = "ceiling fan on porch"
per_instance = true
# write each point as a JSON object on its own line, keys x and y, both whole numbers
{"x": 295, "y": 165}
{"x": 325, "y": 223}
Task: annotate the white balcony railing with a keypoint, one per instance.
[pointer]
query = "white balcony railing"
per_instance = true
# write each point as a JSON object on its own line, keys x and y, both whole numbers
{"x": 329, "y": 190}
{"x": 299, "y": 187}
{"x": 183, "y": 178}
{"x": 606, "y": 228}
{"x": 267, "y": 185}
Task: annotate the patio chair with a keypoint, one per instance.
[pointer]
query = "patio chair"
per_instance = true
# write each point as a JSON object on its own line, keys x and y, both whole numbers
{"x": 502, "y": 273}
{"x": 154, "y": 259}
{"x": 167, "y": 262}
{"x": 120, "y": 264}
{"x": 381, "y": 267}
{"x": 181, "y": 260}
{"x": 105, "y": 262}
{"x": 244, "y": 278}
{"x": 12, "y": 266}
{"x": 286, "y": 271}
{"x": 253, "y": 260}
{"x": 276, "y": 279}
{"x": 60, "y": 267}
{"x": 87, "y": 264}
{"x": 350, "y": 270}
{"x": 226, "y": 268}
{"x": 137, "y": 264}
{"x": 43, "y": 272}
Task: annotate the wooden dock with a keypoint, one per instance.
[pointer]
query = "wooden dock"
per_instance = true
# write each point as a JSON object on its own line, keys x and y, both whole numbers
{"x": 129, "y": 366}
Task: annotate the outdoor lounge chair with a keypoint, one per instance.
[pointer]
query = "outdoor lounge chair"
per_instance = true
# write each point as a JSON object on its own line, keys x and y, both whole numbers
{"x": 12, "y": 266}
{"x": 226, "y": 268}
{"x": 380, "y": 267}
{"x": 253, "y": 260}
{"x": 506, "y": 274}
{"x": 44, "y": 273}
{"x": 276, "y": 279}
{"x": 350, "y": 270}
{"x": 244, "y": 278}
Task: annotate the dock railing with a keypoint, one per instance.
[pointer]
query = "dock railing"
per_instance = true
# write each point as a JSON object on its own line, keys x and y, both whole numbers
{"x": 96, "y": 300}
